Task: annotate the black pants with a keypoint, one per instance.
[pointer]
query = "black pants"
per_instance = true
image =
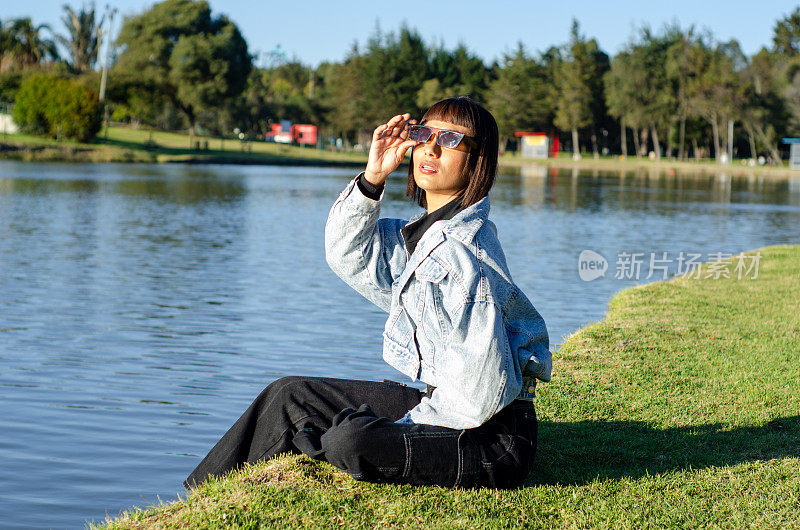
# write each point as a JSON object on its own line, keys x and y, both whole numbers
{"x": 350, "y": 424}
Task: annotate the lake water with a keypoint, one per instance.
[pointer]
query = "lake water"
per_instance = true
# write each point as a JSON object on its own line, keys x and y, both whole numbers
{"x": 142, "y": 307}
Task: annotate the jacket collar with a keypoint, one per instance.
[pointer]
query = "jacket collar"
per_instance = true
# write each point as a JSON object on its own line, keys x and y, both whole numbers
{"x": 463, "y": 227}
{"x": 466, "y": 223}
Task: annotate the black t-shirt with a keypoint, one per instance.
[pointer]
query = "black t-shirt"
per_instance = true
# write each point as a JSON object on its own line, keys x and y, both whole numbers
{"x": 413, "y": 232}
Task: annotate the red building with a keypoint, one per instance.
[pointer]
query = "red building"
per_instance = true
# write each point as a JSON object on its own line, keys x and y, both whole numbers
{"x": 304, "y": 134}
{"x": 537, "y": 144}
{"x": 287, "y": 133}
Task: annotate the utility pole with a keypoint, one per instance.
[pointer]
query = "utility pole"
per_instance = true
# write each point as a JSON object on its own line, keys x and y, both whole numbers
{"x": 104, "y": 78}
{"x": 730, "y": 142}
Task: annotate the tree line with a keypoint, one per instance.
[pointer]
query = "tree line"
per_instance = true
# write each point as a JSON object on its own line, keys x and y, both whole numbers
{"x": 672, "y": 92}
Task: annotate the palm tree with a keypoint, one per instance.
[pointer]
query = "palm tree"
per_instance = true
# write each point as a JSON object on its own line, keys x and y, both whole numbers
{"x": 83, "y": 37}
{"x": 25, "y": 45}
{"x": 5, "y": 38}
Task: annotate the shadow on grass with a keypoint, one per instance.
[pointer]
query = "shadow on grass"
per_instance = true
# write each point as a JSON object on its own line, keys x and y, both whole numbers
{"x": 161, "y": 149}
{"x": 212, "y": 156}
{"x": 577, "y": 453}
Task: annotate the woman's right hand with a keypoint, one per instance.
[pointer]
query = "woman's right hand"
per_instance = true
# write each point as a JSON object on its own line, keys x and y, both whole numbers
{"x": 389, "y": 145}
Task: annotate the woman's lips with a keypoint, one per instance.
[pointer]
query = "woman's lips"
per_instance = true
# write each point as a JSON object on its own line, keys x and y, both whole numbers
{"x": 428, "y": 169}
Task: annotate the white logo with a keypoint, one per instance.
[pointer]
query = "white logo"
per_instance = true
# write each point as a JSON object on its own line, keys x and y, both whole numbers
{"x": 591, "y": 265}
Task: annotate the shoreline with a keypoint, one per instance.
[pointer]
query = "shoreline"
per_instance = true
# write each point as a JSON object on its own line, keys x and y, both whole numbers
{"x": 677, "y": 409}
{"x": 706, "y": 167}
{"x": 94, "y": 153}
{"x": 130, "y": 146}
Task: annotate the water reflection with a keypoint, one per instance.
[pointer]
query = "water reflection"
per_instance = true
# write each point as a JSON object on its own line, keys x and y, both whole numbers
{"x": 185, "y": 188}
{"x": 641, "y": 188}
{"x": 142, "y": 307}
{"x": 794, "y": 191}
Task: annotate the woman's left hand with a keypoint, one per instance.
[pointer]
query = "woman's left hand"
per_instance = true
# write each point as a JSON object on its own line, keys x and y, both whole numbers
{"x": 389, "y": 145}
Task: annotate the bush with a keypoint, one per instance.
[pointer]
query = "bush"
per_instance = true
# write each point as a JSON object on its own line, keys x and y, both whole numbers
{"x": 9, "y": 84}
{"x": 49, "y": 105}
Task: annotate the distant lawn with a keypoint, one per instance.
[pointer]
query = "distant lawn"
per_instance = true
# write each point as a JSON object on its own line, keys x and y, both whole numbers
{"x": 123, "y": 144}
{"x": 127, "y": 144}
{"x": 680, "y": 409}
{"x": 690, "y": 166}
{"x": 180, "y": 144}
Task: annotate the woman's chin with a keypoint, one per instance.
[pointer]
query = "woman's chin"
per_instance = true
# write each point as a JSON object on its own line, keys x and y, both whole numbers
{"x": 425, "y": 182}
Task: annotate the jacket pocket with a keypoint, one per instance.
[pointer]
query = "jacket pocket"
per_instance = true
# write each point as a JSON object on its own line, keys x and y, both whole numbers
{"x": 430, "y": 271}
{"x": 400, "y": 349}
{"x": 429, "y": 307}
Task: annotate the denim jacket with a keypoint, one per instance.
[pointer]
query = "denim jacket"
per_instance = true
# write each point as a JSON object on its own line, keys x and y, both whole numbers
{"x": 456, "y": 319}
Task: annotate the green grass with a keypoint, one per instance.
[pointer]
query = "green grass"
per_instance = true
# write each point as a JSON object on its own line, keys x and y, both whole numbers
{"x": 123, "y": 144}
{"x": 126, "y": 144}
{"x": 28, "y": 148}
{"x": 177, "y": 146}
{"x": 681, "y": 408}
{"x": 688, "y": 166}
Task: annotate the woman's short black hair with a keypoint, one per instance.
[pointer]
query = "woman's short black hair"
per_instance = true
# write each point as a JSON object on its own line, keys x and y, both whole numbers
{"x": 481, "y": 165}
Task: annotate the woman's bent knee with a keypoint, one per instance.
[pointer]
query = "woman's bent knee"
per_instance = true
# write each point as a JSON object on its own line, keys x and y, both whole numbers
{"x": 363, "y": 445}
{"x": 286, "y": 386}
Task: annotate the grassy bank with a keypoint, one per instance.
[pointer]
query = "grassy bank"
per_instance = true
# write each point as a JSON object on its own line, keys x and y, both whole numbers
{"x": 613, "y": 163}
{"x": 123, "y": 144}
{"x": 680, "y": 408}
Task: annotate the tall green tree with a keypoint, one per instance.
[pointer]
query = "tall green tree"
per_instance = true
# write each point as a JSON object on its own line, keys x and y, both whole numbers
{"x": 345, "y": 96}
{"x": 140, "y": 100}
{"x": 644, "y": 87}
{"x": 678, "y": 69}
{"x": 396, "y": 67}
{"x": 764, "y": 114}
{"x": 786, "y": 34}
{"x": 785, "y": 61}
{"x": 715, "y": 92}
{"x": 373, "y": 84}
{"x": 197, "y": 61}
{"x": 82, "y": 40}
{"x": 519, "y": 98}
{"x": 620, "y": 94}
{"x": 288, "y": 93}
{"x": 657, "y": 92}
{"x": 453, "y": 73}
{"x": 579, "y": 83}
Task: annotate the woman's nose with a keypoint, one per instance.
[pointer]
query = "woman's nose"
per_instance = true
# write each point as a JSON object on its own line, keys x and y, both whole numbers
{"x": 431, "y": 147}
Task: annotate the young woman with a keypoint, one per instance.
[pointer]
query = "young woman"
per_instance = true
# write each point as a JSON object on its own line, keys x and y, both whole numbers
{"x": 457, "y": 322}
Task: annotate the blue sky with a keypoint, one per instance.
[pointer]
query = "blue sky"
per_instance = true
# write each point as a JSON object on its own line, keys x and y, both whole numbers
{"x": 314, "y": 31}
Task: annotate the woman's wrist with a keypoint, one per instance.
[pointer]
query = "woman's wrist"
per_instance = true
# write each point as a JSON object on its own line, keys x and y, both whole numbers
{"x": 374, "y": 179}
{"x": 368, "y": 189}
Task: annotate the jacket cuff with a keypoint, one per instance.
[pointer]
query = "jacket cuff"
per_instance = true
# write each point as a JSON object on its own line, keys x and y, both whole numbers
{"x": 369, "y": 190}
{"x": 406, "y": 419}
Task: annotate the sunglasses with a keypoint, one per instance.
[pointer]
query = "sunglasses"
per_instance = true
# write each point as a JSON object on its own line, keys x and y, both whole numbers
{"x": 444, "y": 138}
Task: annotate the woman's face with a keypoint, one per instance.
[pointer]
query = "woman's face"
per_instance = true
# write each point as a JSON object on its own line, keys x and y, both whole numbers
{"x": 439, "y": 170}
